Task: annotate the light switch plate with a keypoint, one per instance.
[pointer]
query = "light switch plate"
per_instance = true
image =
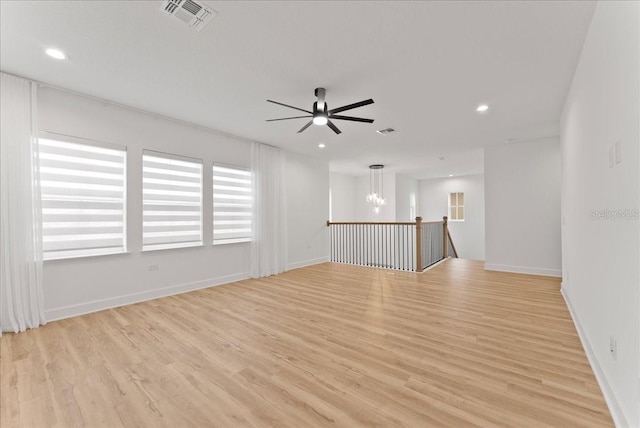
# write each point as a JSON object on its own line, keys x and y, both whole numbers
{"x": 611, "y": 157}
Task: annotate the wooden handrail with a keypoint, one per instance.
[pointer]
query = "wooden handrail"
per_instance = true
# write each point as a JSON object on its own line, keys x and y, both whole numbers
{"x": 453, "y": 247}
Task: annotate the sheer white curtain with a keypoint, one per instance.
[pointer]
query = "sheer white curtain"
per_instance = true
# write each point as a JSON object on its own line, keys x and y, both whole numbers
{"x": 21, "y": 293}
{"x": 268, "y": 240}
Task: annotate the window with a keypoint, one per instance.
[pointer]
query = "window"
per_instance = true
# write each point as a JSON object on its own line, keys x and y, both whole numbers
{"x": 171, "y": 201}
{"x": 456, "y": 206}
{"x": 83, "y": 198}
{"x": 232, "y": 202}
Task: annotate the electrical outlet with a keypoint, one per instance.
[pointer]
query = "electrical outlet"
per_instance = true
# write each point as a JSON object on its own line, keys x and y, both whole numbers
{"x": 613, "y": 347}
{"x": 611, "y": 157}
{"x": 153, "y": 267}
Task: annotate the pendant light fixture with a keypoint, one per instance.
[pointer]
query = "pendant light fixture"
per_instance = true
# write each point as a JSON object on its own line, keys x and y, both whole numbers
{"x": 376, "y": 184}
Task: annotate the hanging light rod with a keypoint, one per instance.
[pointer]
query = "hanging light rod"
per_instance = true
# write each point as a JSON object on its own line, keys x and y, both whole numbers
{"x": 376, "y": 187}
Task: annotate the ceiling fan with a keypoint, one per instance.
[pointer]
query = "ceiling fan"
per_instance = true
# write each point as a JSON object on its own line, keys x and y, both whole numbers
{"x": 322, "y": 116}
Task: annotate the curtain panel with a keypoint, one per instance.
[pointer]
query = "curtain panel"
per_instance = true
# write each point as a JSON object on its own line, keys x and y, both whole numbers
{"x": 21, "y": 291}
{"x": 268, "y": 238}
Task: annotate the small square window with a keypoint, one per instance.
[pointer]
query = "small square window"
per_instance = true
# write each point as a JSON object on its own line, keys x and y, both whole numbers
{"x": 456, "y": 206}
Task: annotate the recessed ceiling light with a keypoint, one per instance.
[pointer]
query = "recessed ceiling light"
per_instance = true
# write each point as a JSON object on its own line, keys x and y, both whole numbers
{"x": 482, "y": 107}
{"x": 322, "y": 145}
{"x": 55, "y": 53}
{"x": 443, "y": 158}
{"x": 450, "y": 175}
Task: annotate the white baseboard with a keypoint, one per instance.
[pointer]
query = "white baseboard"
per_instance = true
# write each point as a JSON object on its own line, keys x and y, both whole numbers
{"x": 524, "y": 269}
{"x": 310, "y": 262}
{"x": 609, "y": 396}
{"x": 428, "y": 268}
{"x": 63, "y": 312}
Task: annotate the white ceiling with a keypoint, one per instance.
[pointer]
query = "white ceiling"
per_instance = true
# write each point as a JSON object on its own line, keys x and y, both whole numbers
{"x": 427, "y": 65}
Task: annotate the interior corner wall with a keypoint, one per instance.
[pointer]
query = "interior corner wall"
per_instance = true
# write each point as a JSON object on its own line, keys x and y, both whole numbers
{"x": 468, "y": 235}
{"x": 307, "y": 210}
{"x": 406, "y": 187}
{"x": 601, "y": 203}
{"x": 522, "y": 207}
{"x": 343, "y": 197}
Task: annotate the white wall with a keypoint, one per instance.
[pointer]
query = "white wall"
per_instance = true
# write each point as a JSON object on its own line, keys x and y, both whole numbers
{"x": 348, "y": 198}
{"x": 522, "y": 207}
{"x": 307, "y": 190}
{"x": 343, "y": 197}
{"x": 468, "y": 235}
{"x": 364, "y": 209}
{"x": 406, "y": 187}
{"x": 78, "y": 286}
{"x": 601, "y": 256}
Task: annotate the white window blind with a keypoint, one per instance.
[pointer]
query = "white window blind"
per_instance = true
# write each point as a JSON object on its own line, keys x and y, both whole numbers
{"x": 83, "y": 199}
{"x": 232, "y": 202}
{"x": 172, "y": 201}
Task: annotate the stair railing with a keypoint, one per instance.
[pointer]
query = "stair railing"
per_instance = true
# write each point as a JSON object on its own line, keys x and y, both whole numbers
{"x": 408, "y": 246}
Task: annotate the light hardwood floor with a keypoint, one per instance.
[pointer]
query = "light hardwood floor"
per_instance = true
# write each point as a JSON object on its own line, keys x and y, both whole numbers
{"x": 325, "y": 345}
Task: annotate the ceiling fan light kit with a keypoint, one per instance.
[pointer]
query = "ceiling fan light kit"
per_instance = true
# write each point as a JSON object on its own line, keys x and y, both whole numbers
{"x": 321, "y": 115}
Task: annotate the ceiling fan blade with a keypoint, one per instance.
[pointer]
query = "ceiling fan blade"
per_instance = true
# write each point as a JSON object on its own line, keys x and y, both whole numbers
{"x": 355, "y": 119}
{"x": 332, "y": 126}
{"x": 306, "y": 126}
{"x": 350, "y": 106}
{"x": 287, "y": 118}
{"x": 286, "y": 105}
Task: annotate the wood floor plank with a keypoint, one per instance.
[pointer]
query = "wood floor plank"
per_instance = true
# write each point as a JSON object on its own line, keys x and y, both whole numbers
{"x": 326, "y": 345}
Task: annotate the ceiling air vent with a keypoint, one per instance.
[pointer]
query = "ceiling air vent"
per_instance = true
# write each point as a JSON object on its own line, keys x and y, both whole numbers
{"x": 385, "y": 131}
{"x": 192, "y": 13}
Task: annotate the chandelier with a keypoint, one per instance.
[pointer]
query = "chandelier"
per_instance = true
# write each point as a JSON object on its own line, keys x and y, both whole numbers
{"x": 376, "y": 184}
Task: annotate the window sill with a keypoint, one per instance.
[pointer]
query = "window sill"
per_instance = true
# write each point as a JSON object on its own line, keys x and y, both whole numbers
{"x": 161, "y": 247}
{"x": 84, "y": 257}
{"x": 231, "y": 241}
